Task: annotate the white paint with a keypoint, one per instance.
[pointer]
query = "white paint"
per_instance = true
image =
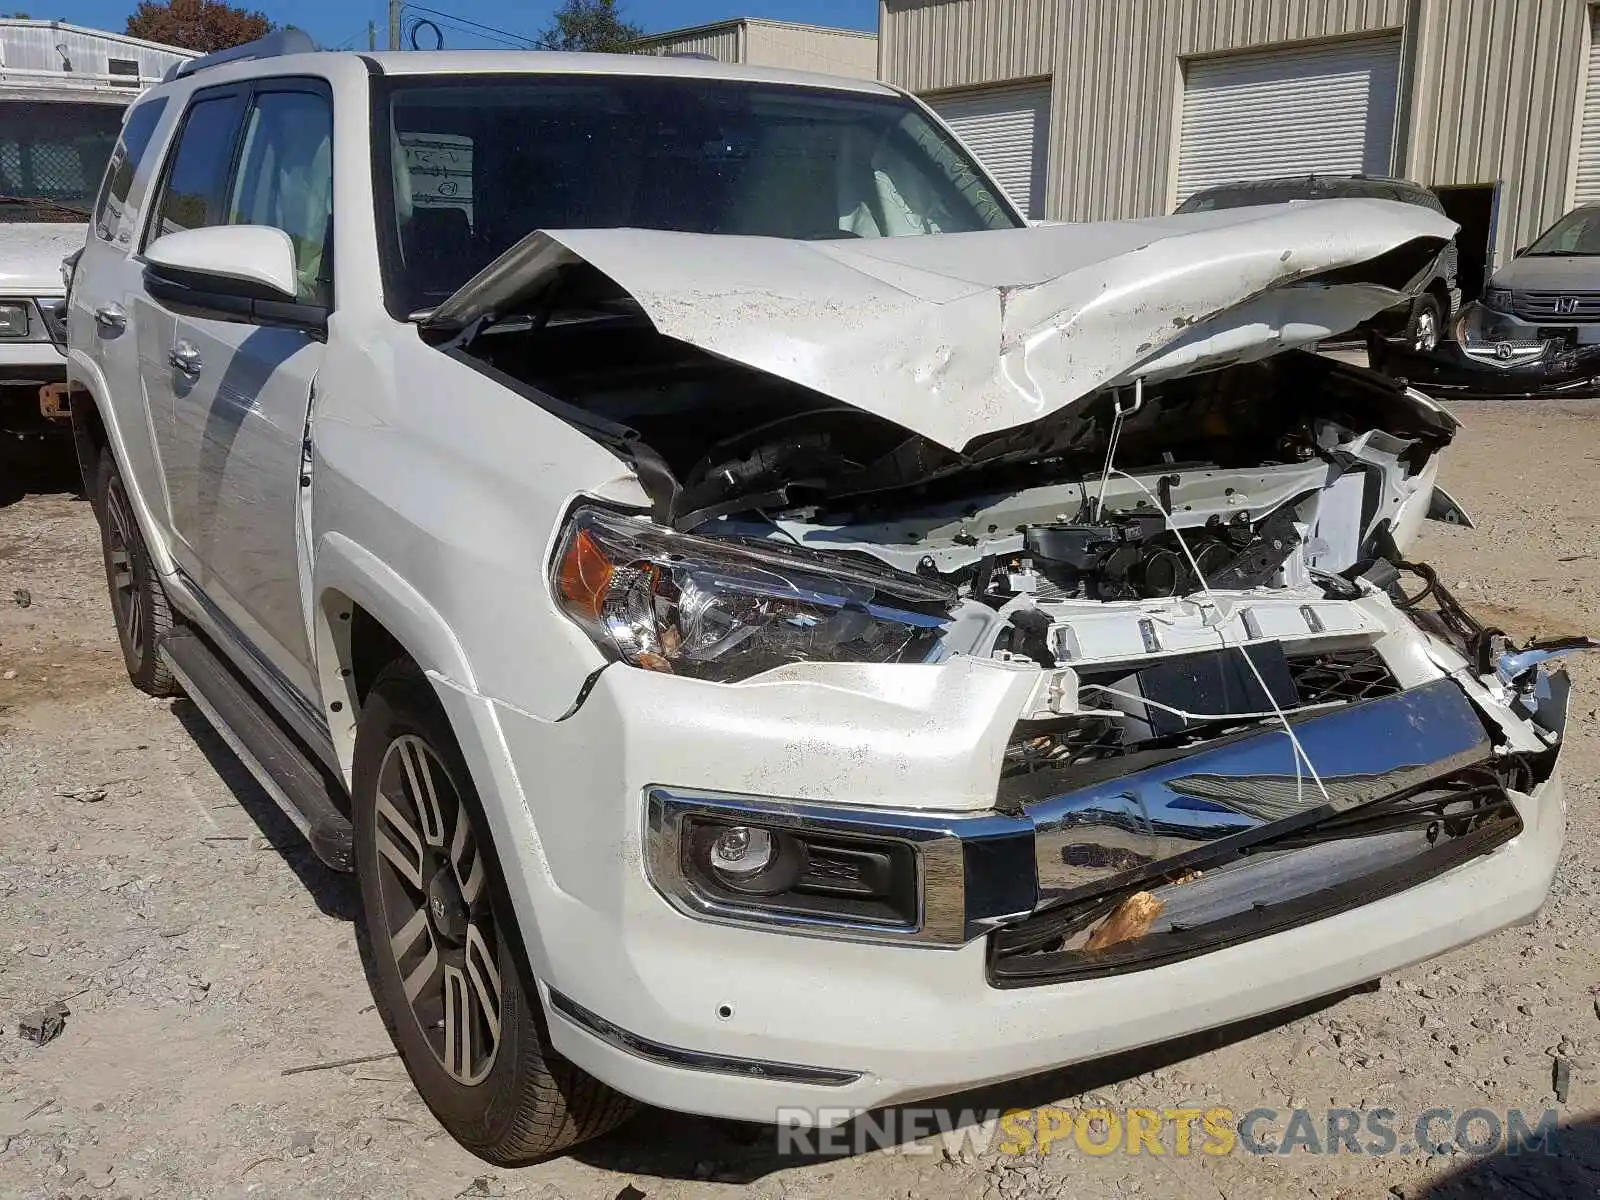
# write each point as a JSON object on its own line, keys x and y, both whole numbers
{"x": 251, "y": 253}
{"x": 964, "y": 334}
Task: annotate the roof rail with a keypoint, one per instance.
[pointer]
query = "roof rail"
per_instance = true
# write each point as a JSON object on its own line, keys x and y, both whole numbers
{"x": 288, "y": 40}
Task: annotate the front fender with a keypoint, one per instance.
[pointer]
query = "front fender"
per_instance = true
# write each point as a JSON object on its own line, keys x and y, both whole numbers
{"x": 346, "y": 574}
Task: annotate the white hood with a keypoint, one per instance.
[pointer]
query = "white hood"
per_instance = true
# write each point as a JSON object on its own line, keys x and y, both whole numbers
{"x": 959, "y": 335}
{"x": 31, "y": 254}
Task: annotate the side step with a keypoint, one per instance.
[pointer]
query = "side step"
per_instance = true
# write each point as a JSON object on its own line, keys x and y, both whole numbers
{"x": 296, "y": 782}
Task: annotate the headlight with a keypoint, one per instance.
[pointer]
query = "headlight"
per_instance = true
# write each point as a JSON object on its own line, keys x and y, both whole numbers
{"x": 726, "y": 609}
{"x": 1496, "y": 298}
{"x": 13, "y": 320}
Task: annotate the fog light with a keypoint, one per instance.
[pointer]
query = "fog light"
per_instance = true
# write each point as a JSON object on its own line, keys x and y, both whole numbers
{"x": 740, "y": 852}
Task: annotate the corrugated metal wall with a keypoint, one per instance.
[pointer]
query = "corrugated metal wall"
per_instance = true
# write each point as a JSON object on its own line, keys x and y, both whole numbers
{"x": 1497, "y": 99}
{"x": 721, "y": 42}
{"x": 31, "y": 46}
{"x": 931, "y": 45}
{"x": 811, "y": 48}
{"x": 1114, "y": 130}
{"x": 1492, "y": 94}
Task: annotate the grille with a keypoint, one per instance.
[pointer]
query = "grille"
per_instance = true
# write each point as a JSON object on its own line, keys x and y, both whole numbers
{"x": 1556, "y": 306}
{"x": 1346, "y": 675}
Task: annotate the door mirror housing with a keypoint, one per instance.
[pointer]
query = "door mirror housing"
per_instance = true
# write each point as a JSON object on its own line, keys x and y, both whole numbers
{"x": 241, "y": 273}
{"x": 1521, "y": 250}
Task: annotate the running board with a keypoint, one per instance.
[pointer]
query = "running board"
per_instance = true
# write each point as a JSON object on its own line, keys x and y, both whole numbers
{"x": 286, "y": 771}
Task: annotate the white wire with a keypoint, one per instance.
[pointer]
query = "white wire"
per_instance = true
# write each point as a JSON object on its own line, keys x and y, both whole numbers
{"x": 1117, "y": 415}
{"x": 1300, "y": 755}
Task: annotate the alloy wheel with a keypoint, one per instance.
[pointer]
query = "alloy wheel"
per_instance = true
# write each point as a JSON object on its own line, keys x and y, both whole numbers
{"x": 1427, "y": 335}
{"x": 437, "y": 911}
{"x": 127, "y": 597}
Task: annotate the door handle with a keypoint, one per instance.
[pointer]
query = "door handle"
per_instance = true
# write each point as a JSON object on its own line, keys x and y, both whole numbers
{"x": 111, "y": 318}
{"x": 185, "y": 357}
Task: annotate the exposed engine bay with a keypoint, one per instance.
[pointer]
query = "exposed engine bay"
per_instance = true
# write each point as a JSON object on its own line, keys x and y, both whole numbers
{"x": 1190, "y": 582}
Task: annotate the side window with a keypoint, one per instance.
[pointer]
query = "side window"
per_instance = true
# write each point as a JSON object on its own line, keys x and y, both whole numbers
{"x": 191, "y": 195}
{"x": 285, "y": 180}
{"x": 126, "y": 160}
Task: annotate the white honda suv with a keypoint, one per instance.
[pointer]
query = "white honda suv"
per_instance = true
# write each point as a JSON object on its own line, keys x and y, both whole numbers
{"x": 772, "y": 633}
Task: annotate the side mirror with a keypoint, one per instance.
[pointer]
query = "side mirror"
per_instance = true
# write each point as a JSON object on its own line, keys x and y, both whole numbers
{"x": 1521, "y": 250}
{"x": 241, "y": 273}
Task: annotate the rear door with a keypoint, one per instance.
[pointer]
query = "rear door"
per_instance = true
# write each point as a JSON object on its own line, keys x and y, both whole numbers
{"x": 98, "y": 316}
{"x": 240, "y": 393}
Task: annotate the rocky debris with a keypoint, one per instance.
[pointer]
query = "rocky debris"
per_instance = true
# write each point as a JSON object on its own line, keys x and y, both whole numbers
{"x": 22, "y": 597}
{"x": 1561, "y": 1079}
{"x": 85, "y": 795}
{"x": 45, "y": 1024}
{"x": 304, "y": 1144}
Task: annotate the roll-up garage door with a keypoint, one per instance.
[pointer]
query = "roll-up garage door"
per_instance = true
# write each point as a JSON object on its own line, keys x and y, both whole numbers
{"x": 1009, "y": 130}
{"x": 1586, "y": 187}
{"x": 1327, "y": 109}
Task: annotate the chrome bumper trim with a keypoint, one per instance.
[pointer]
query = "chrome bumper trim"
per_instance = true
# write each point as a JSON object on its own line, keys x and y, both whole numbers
{"x": 1221, "y": 797}
{"x": 695, "y": 1060}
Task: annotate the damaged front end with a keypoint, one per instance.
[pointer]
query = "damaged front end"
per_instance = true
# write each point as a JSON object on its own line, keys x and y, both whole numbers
{"x": 1208, "y": 696}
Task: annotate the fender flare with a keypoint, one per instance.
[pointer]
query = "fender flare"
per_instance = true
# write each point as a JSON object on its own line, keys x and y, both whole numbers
{"x": 84, "y": 375}
{"x": 346, "y": 573}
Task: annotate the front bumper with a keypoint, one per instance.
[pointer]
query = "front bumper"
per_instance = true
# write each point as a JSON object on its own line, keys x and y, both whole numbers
{"x": 724, "y": 1019}
{"x": 1556, "y": 370}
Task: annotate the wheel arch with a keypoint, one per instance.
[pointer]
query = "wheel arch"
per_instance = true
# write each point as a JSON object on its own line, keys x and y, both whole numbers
{"x": 364, "y": 615}
{"x": 364, "y": 611}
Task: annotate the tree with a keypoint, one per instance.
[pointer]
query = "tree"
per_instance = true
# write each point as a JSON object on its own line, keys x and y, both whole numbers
{"x": 593, "y": 25}
{"x": 203, "y": 25}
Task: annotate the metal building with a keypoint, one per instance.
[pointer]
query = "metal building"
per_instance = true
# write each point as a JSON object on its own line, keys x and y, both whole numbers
{"x": 1103, "y": 109}
{"x": 762, "y": 43}
{"x": 39, "y": 52}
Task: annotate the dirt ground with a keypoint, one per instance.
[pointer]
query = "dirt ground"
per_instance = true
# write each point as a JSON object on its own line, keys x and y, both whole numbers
{"x": 202, "y": 951}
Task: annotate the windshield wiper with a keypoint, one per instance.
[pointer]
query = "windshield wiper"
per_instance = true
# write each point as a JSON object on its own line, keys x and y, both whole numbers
{"x": 45, "y": 202}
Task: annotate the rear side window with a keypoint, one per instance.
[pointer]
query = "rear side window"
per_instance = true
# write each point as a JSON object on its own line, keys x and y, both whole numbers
{"x": 192, "y": 195}
{"x": 126, "y": 161}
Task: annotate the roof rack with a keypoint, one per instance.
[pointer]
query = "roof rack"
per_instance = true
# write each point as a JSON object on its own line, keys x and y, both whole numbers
{"x": 288, "y": 40}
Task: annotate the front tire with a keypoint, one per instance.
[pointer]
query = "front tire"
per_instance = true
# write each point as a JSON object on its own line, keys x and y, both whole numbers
{"x": 439, "y": 943}
{"x": 138, "y": 601}
{"x": 1426, "y": 327}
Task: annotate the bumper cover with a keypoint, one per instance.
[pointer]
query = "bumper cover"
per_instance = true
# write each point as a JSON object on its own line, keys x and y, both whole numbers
{"x": 1560, "y": 368}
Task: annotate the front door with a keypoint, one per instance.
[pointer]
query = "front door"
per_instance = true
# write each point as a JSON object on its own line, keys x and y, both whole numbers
{"x": 240, "y": 393}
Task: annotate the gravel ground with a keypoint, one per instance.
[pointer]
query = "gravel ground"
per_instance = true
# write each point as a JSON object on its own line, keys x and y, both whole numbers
{"x": 202, "y": 951}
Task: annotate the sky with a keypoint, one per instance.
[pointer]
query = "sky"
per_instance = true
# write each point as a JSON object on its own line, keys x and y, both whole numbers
{"x": 344, "y": 22}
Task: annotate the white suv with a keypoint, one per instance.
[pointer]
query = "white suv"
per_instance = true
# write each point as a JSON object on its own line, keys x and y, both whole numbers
{"x": 772, "y": 633}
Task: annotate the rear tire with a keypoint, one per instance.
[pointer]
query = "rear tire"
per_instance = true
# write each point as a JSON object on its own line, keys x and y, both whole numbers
{"x": 441, "y": 947}
{"x": 138, "y": 601}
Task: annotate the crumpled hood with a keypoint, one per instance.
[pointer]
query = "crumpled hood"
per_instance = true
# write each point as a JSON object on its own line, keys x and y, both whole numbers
{"x": 31, "y": 254}
{"x": 959, "y": 335}
{"x": 1550, "y": 273}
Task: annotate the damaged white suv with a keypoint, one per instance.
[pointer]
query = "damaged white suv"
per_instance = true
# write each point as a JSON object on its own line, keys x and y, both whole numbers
{"x": 768, "y": 629}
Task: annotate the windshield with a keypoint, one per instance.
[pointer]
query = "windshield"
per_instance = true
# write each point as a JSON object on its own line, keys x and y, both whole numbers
{"x": 52, "y": 155}
{"x": 1577, "y": 233}
{"x": 477, "y": 164}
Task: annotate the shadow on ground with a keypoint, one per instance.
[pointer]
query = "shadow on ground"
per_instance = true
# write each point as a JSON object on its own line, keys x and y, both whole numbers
{"x": 334, "y": 893}
{"x": 675, "y": 1146}
{"x": 1566, "y": 1165}
{"x": 37, "y": 467}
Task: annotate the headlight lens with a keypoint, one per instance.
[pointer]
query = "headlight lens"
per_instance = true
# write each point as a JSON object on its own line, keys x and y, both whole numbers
{"x": 13, "y": 319}
{"x": 1496, "y": 298}
{"x": 725, "y": 610}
